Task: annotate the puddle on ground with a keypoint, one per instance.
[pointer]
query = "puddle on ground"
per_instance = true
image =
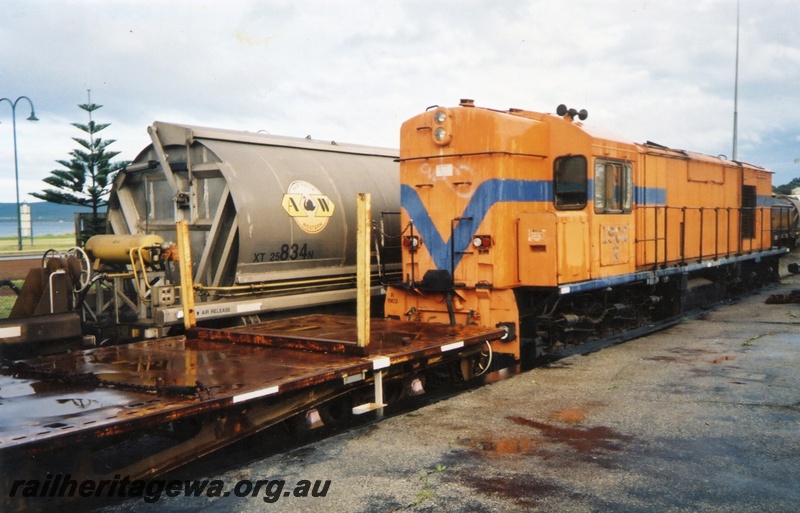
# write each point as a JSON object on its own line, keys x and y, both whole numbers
{"x": 517, "y": 445}
{"x": 583, "y": 440}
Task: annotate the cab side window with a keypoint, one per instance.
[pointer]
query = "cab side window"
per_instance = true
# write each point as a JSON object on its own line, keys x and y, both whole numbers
{"x": 613, "y": 186}
{"x": 570, "y": 182}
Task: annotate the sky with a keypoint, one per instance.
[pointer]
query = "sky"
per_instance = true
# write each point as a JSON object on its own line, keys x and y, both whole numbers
{"x": 353, "y": 71}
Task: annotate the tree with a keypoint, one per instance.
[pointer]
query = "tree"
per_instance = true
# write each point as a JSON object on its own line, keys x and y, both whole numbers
{"x": 787, "y": 187}
{"x": 88, "y": 175}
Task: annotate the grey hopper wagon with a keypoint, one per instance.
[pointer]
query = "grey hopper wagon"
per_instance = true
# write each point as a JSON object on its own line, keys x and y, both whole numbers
{"x": 271, "y": 225}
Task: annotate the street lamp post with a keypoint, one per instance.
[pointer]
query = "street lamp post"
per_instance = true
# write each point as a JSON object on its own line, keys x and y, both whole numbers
{"x": 32, "y": 117}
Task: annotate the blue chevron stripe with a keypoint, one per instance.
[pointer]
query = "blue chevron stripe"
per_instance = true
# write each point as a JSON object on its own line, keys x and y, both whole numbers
{"x": 486, "y": 195}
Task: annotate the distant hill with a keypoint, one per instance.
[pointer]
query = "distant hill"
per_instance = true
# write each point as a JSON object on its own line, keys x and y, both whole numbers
{"x": 42, "y": 211}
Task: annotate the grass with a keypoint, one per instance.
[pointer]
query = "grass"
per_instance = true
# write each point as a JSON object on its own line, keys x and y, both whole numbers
{"x": 427, "y": 492}
{"x": 749, "y": 341}
{"x": 7, "y": 301}
{"x": 9, "y": 246}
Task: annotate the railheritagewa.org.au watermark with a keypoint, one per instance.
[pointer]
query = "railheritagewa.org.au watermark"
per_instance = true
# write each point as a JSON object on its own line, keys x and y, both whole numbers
{"x": 153, "y": 490}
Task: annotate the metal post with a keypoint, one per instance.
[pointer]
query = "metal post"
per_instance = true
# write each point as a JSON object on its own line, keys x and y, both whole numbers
{"x": 32, "y": 117}
{"x": 655, "y": 232}
{"x": 378, "y": 377}
{"x": 701, "y": 234}
{"x": 716, "y": 233}
{"x": 187, "y": 283}
{"x": 363, "y": 236}
{"x": 683, "y": 235}
{"x": 666, "y": 235}
{"x": 736, "y": 90}
{"x": 728, "y": 243}
{"x": 16, "y": 179}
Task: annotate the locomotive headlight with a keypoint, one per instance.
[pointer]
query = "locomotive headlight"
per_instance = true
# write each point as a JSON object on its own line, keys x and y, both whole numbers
{"x": 442, "y": 126}
{"x": 482, "y": 242}
{"x": 411, "y": 242}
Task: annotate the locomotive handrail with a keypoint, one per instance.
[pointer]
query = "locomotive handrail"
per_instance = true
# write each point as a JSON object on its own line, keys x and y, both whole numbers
{"x": 453, "y": 251}
{"x": 663, "y": 235}
{"x": 382, "y": 246}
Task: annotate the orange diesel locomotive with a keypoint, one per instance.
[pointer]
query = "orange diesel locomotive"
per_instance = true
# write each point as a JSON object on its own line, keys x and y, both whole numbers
{"x": 560, "y": 234}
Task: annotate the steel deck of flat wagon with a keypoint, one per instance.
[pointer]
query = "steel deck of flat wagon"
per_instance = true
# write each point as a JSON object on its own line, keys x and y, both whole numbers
{"x": 235, "y": 381}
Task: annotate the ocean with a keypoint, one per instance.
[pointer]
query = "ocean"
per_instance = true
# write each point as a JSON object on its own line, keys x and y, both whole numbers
{"x": 8, "y": 228}
{"x": 46, "y": 219}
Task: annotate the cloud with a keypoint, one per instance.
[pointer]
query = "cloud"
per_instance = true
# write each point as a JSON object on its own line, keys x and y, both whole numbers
{"x": 354, "y": 71}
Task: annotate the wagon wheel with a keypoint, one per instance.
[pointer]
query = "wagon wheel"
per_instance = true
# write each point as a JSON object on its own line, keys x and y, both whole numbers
{"x": 484, "y": 360}
{"x": 86, "y": 268}
{"x": 50, "y": 253}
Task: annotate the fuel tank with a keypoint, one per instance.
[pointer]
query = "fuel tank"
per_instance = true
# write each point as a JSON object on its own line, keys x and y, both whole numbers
{"x": 117, "y": 248}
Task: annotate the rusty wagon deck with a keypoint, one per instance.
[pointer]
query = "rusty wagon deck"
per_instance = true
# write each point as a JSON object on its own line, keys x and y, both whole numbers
{"x": 208, "y": 389}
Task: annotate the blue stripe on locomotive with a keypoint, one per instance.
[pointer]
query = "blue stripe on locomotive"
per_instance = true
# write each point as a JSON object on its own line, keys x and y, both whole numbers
{"x": 649, "y": 196}
{"x": 653, "y": 196}
{"x": 487, "y": 194}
